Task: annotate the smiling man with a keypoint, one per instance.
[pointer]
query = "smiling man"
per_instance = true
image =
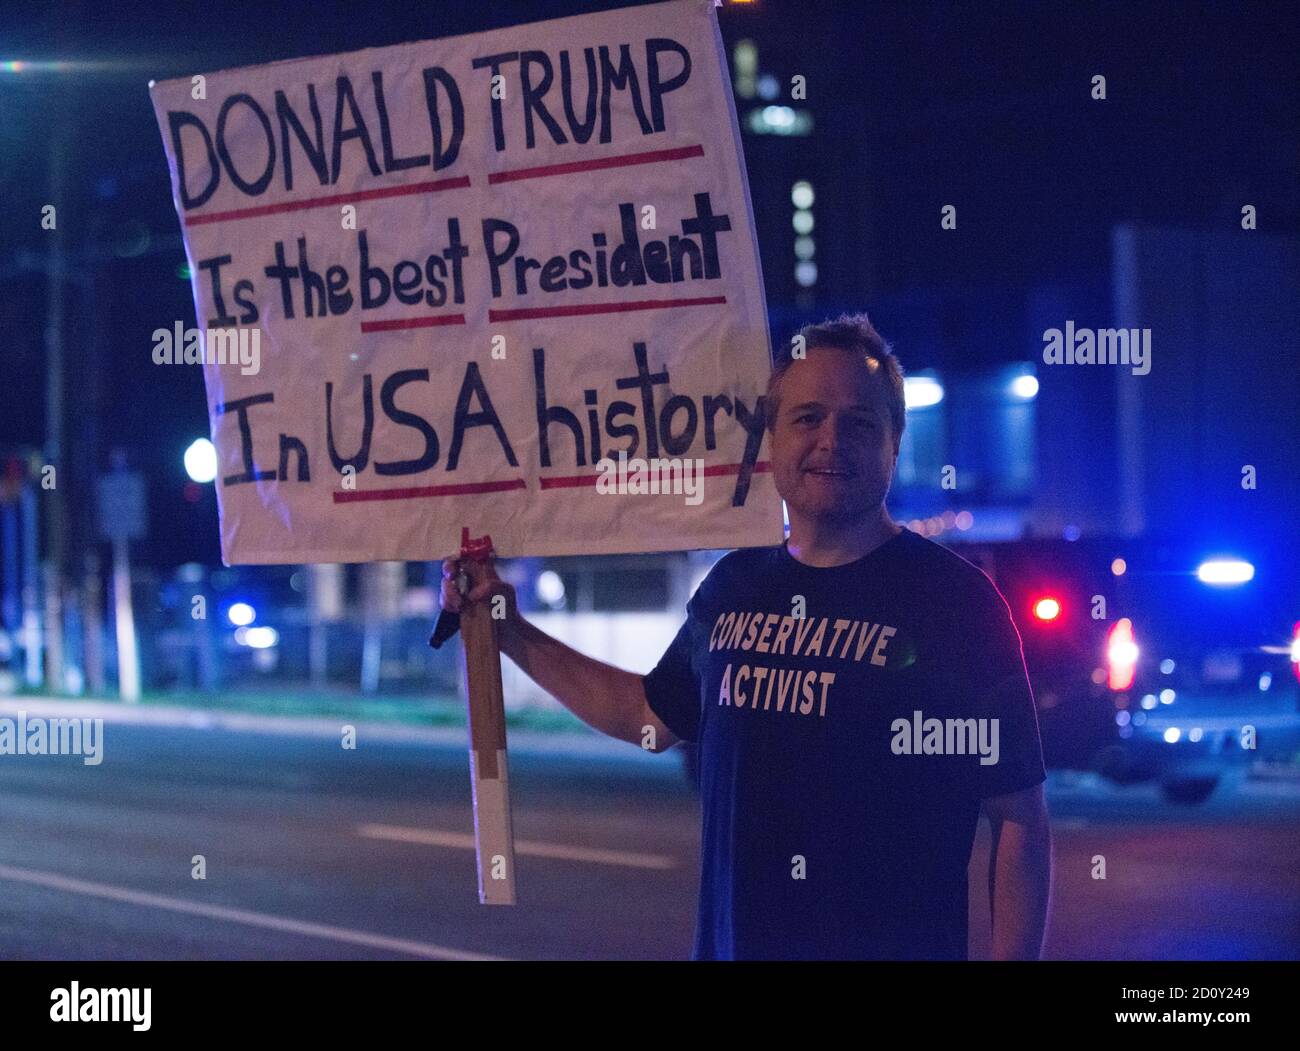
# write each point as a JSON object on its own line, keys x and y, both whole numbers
{"x": 828, "y": 832}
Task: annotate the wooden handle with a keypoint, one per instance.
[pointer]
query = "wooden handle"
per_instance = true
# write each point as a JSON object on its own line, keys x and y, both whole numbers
{"x": 493, "y": 836}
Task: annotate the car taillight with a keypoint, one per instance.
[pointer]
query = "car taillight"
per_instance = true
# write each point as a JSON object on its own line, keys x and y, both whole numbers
{"x": 1121, "y": 655}
{"x": 1047, "y": 608}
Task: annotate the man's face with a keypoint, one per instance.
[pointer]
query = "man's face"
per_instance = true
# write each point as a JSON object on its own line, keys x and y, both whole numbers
{"x": 833, "y": 445}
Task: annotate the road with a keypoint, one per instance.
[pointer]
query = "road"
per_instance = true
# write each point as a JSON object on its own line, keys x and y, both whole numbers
{"x": 313, "y": 851}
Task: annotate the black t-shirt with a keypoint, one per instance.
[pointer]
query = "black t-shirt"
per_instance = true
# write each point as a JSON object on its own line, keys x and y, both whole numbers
{"x": 850, "y": 719}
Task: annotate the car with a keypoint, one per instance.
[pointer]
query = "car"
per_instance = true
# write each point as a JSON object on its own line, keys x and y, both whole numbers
{"x": 1154, "y": 660}
{"x": 1149, "y": 659}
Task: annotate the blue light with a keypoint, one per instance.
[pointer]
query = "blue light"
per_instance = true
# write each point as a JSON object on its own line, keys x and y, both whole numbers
{"x": 201, "y": 460}
{"x": 920, "y": 392}
{"x": 241, "y": 614}
{"x": 260, "y": 638}
{"x": 1224, "y": 572}
{"x": 1025, "y": 387}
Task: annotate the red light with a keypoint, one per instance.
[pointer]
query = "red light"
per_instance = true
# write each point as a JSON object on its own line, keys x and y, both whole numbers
{"x": 1047, "y": 608}
{"x": 1121, "y": 655}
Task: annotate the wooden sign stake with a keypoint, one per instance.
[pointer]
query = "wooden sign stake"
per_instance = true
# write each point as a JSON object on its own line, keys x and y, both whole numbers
{"x": 493, "y": 837}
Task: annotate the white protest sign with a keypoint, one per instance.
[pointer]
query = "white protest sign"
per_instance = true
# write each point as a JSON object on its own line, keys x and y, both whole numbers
{"x": 446, "y": 283}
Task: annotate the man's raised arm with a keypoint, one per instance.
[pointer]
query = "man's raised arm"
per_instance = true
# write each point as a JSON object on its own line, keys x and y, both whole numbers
{"x": 606, "y": 698}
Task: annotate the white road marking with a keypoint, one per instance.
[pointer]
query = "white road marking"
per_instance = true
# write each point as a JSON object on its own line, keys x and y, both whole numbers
{"x": 54, "y": 881}
{"x": 465, "y": 841}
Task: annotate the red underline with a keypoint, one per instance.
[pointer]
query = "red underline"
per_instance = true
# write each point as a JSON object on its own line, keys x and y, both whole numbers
{"x": 582, "y": 310}
{"x": 413, "y": 322}
{"x": 623, "y": 161}
{"x": 578, "y": 481}
{"x": 324, "y": 202}
{"x": 420, "y": 492}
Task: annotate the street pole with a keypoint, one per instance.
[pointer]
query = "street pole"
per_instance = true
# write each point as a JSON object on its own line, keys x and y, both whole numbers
{"x": 128, "y": 661}
{"x": 94, "y": 626}
{"x": 372, "y": 628}
{"x": 54, "y": 337}
{"x": 324, "y": 605}
{"x": 32, "y": 667}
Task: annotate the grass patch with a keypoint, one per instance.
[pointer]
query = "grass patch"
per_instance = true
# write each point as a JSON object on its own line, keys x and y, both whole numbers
{"x": 424, "y": 710}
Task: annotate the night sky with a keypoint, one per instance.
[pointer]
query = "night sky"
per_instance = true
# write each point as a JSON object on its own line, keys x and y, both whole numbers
{"x": 916, "y": 105}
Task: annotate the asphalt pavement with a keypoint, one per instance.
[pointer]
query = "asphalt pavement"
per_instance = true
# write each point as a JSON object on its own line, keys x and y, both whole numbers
{"x": 313, "y": 851}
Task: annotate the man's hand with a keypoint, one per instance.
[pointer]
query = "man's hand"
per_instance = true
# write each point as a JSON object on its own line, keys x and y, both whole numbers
{"x": 483, "y": 584}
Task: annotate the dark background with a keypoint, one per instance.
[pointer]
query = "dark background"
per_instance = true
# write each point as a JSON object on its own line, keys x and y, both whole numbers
{"x": 916, "y": 105}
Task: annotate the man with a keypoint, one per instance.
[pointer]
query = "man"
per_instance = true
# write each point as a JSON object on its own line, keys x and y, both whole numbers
{"x": 857, "y": 695}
